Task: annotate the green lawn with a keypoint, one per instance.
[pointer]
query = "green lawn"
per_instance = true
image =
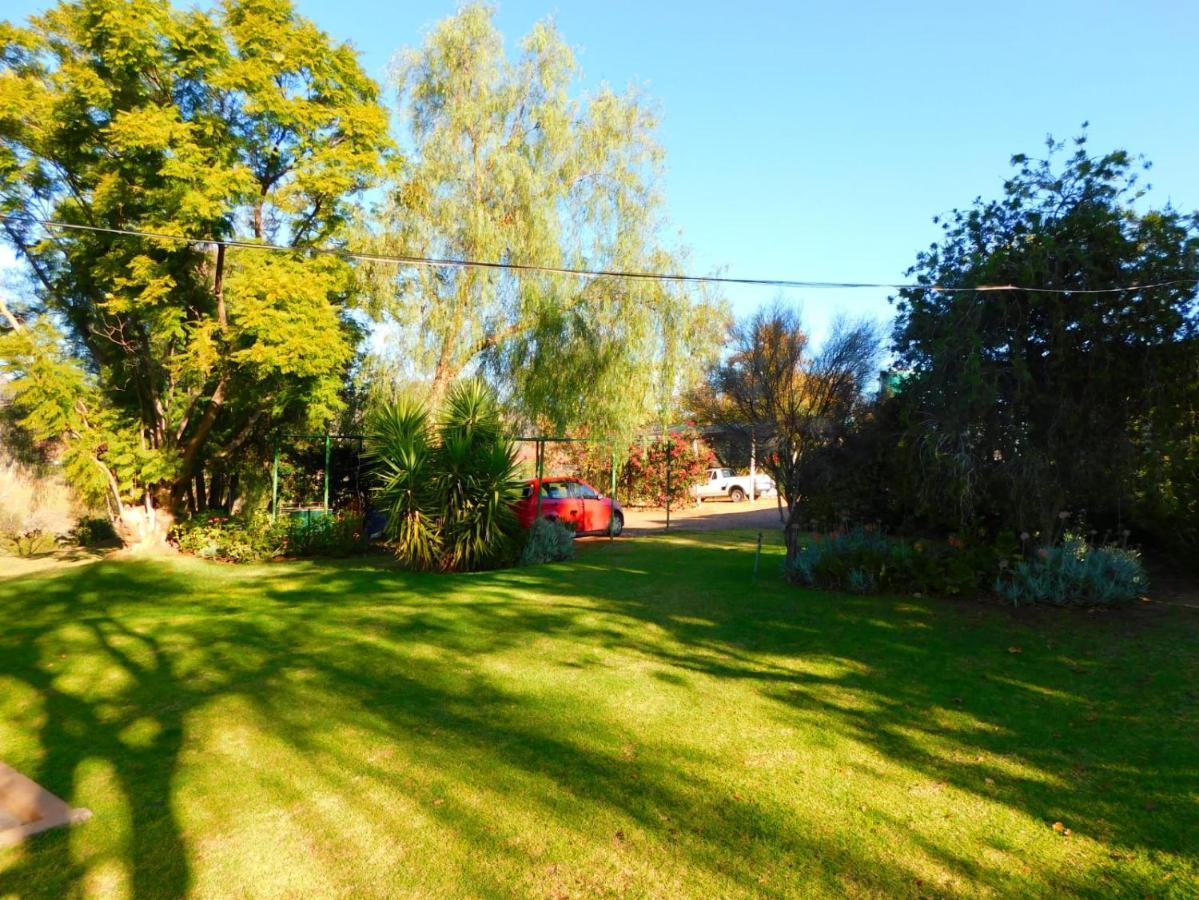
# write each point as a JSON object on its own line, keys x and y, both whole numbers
{"x": 644, "y": 721}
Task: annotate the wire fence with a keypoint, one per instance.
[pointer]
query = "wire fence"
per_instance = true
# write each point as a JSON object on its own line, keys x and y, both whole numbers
{"x": 655, "y": 484}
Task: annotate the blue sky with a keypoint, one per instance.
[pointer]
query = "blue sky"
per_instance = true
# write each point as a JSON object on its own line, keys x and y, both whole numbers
{"x": 816, "y": 140}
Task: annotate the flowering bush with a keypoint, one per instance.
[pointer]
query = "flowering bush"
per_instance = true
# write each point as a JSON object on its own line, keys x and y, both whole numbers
{"x": 1075, "y": 573}
{"x": 641, "y": 478}
{"x": 644, "y": 479}
{"x": 26, "y": 543}
{"x": 257, "y": 537}
{"x": 216, "y": 535}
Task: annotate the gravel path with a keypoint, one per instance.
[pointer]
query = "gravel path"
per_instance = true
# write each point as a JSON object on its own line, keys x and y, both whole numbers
{"x": 709, "y": 516}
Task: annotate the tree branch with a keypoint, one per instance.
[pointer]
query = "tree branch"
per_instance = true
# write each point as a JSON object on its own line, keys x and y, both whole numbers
{"x": 192, "y": 448}
{"x": 8, "y": 315}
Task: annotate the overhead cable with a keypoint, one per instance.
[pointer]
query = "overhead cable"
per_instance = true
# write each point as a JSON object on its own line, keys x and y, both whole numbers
{"x": 450, "y": 263}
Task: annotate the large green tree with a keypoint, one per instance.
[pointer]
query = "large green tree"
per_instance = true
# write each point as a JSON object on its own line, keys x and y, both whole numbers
{"x": 158, "y": 362}
{"x": 1023, "y": 406}
{"x": 506, "y": 164}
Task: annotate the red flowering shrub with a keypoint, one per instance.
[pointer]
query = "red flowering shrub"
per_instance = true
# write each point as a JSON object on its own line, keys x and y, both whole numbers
{"x": 645, "y": 474}
{"x": 641, "y": 478}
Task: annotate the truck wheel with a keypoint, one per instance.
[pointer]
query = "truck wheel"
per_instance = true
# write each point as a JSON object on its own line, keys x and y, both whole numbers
{"x": 737, "y": 495}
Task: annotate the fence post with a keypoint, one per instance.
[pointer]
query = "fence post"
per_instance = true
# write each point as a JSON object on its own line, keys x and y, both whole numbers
{"x": 753, "y": 464}
{"x": 275, "y": 484}
{"x": 612, "y": 498}
{"x": 667, "y": 445}
{"x": 540, "y": 454}
{"x": 328, "y": 451}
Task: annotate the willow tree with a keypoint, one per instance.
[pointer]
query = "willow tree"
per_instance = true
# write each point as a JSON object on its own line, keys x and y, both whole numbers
{"x": 131, "y": 115}
{"x": 507, "y": 165}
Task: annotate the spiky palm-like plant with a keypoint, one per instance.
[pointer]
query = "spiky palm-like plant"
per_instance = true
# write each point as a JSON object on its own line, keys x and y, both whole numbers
{"x": 477, "y": 479}
{"x": 400, "y": 447}
{"x": 448, "y": 490}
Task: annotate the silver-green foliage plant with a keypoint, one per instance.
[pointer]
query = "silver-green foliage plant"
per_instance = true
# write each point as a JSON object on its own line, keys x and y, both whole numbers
{"x": 1076, "y": 573}
{"x": 548, "y": 541}
{"x": 448, "y": 487}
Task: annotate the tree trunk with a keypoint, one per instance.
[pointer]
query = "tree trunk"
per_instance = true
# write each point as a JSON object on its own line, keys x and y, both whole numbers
{"x": 234, "y": 500}
{"x": 216, "y": 490}
{"x": 442, "y": 377}
{"x": 144, "y": 528}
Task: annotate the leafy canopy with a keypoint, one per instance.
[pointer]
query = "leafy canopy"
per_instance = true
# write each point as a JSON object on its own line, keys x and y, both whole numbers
{"x": 1021, "y": 404}
{"x": 245, "y": 121}
{"x": 507, "y": 165}
{"x": 791, "y": 400}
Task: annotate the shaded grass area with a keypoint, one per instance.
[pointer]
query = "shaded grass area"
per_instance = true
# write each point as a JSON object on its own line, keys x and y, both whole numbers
{"x": 643, "y": 721}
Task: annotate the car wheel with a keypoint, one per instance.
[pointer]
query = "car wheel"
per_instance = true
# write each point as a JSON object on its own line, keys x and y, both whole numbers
{"x": 617, "y": 523}
{"x": 737, "y": 495}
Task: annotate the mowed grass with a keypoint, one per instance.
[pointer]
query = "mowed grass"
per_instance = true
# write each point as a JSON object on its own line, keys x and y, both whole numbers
{"x": 646, "y": 721}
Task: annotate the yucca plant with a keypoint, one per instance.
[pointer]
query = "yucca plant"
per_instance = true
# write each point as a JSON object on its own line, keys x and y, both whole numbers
{"x": 477, "y": 480}
{"x": 448, "y": 491}
{"x": 400, "y": 448}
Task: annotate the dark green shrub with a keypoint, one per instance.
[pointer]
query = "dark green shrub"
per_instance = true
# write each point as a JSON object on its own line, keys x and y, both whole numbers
{"x": 337, "y": 535}
{"x": 92, "y": 531}
{"x": 549, "y": 540}
{"x": 1075, "y": 573}
{"x": 864, "y": 561}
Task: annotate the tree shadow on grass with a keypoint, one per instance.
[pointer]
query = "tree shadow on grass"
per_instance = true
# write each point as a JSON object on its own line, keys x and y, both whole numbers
{"x": 319, "y": 653}
{"x": 253, "y": 654}
{"x": 1097, "y": 711}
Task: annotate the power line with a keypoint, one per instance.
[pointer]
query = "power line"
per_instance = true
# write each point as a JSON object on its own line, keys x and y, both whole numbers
{"x": 434, "y": 262}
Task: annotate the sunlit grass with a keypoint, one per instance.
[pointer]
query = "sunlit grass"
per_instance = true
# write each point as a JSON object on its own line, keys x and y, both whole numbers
{"x": 644, "y": 721}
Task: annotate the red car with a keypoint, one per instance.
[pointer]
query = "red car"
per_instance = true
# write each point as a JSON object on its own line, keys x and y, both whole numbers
{"x": 572, "y": 502}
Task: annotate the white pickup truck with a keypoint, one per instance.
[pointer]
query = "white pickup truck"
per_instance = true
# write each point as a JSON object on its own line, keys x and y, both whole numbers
{"x": 723, "y": 483}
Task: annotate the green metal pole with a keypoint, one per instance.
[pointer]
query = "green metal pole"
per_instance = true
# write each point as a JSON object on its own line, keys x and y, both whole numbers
{"x": 612, "y": 497}
{"x": 275, "y": 485}
{"x": 328, "y": 454}
{"x": 540, "y": 473}
{"x": 667, "y": 445}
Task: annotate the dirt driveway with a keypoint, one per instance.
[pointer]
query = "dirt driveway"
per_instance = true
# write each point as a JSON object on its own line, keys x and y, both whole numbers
{"x": 709, "y": 516}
